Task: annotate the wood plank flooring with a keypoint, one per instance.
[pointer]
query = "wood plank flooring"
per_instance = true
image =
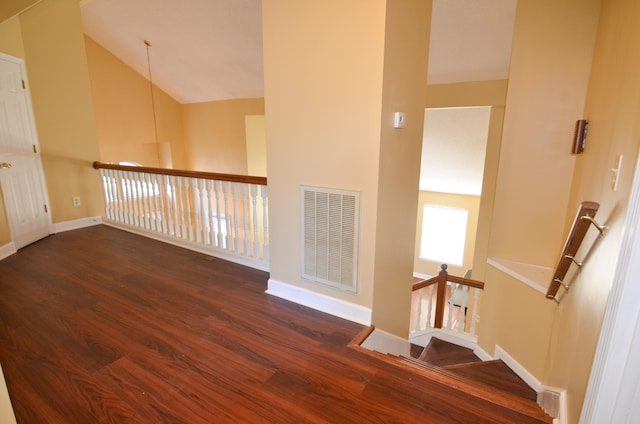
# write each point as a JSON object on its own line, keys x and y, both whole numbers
{"x": 101, "y": 326}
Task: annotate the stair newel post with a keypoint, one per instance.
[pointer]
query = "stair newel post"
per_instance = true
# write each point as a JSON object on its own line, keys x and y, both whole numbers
{"x": 440, "y": 298}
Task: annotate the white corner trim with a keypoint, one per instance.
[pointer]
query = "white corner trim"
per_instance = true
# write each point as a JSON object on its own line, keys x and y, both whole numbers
{"x": 423, "y": 338}
{"x": 76, "y": 224}
{"x": 535, "y": 276}
{"x": 7, "y": 250}
{"x": 423, "y": 276}
{"x": 482, "y": 354}
{"x": 528, "y": 378}
{"x": 384, "y": 342}
{"x": 320, "y": 302}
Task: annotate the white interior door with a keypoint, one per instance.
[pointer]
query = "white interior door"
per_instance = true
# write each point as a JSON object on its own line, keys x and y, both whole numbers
{"x": 21, "y": 175}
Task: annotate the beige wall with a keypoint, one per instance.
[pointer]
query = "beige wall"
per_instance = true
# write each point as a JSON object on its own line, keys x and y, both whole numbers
{"x": 471, "y": 204}
{"x": 11, "y": 44}
{"x": 125, "y": 117}
{"x": 61, "y": 96}
{"x": 10, "y": 8}
{"x": 547, "y": 85}
{"x": 256, "y": 145}
{"x": 323, "y": 95}
{"x": 405, "y": 67}
{"x": 473, "y": 93}
{"x": 612, "y": 108}
{"x": 215, "y": 134}
{"x": 535, "y": 197}
{"x": 11, "y": 38}
{"x": 329, "y": 125}
{"x": 470, "y": 94}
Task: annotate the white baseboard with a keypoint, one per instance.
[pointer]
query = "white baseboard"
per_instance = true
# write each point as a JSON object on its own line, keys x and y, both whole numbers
{"x": 482, "y": 354}
{"x": 76, "y": 224}
{"x": 460, "y": 339}
{"x": 7, "y": 250}
{"x": 320, "y": 302}
{"x": 384, "y": 342}
{"x": 522, "y": 372}
{"x": 186, "y": 244}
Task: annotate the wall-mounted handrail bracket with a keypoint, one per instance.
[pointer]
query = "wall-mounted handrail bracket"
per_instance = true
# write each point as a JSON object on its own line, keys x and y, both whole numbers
{"x": 579, "y": 264}
{"x": 583, "y": 220}
{"x": 600, "y": 228}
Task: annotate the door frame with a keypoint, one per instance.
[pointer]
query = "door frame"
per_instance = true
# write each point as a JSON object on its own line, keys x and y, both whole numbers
{"x": 10, "y": 248}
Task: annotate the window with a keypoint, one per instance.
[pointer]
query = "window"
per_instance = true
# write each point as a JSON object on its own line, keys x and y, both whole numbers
{"x": 444, "y": 231}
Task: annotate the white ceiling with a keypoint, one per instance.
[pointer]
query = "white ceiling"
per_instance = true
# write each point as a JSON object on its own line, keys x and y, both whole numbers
{"x": 207, "y": 50}
{"x": 453, "y": 150}
{"x": 470, "y": 40}
{"x": 202, "y": 50}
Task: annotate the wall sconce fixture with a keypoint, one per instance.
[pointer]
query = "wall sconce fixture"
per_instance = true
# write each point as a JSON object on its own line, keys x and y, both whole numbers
{"x": 579, "y": 136}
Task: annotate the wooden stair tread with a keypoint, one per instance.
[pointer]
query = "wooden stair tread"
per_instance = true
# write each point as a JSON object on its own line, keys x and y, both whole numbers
{"x": 496, "y": 374}
{"x": 442, "y": 353}
{"x": 529, "y": 408}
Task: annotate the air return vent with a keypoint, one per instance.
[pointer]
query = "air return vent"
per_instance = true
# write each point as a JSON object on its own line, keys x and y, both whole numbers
{"x": 330, "y": 236}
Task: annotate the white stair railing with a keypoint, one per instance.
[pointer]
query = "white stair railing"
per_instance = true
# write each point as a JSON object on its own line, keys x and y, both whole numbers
{"x": 219, "y": 214}
{"x": 460, "y": 305}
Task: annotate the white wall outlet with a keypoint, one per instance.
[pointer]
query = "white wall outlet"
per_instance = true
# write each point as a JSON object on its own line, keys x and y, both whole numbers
{"x": 616, "y": 173}
{"x": 398, "y": 120}
{"x": 76, "y": 200}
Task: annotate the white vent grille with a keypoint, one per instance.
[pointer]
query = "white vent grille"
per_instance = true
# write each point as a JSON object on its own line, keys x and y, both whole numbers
{"x": 330, "y": 236}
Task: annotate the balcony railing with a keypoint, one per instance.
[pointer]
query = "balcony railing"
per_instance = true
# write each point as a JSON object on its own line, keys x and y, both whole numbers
{"x": 446, "y": 302}
{"x": 219, "y": 214}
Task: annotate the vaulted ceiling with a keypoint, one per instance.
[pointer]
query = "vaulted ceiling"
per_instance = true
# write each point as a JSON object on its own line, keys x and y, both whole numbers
{"x": 205, "y": 50}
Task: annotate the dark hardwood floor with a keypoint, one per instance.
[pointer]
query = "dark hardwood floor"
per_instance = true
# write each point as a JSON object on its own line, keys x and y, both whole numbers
{"x": 101, "y": 326}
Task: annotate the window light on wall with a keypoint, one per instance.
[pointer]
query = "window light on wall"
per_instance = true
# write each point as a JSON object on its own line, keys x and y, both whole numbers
{"x": 444, "y": 231}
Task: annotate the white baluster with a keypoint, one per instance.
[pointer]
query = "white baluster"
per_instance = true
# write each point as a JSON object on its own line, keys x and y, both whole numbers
{"x": 108, "y": 193}
{"x": 235, "y": 194}
{"x": 202, "y": 211}
{"x": 111, "y": 206}
{"x": 226, "y": 190}
{"x": 218, "y": 221}
{"x": 141, "y": 198}
{"x": 245, "y": 220}
{"x": 210, "y": 187}
{"x": 105, "y": 192}
{"x": 194, "y": 200}
{"x": 144, "y": 201}
{"x": 134, "y": 199}
{"x": 418, "y": 326}
{"x": 162, "y": 212}
{"x": 475, "y": 317}
{"x": 430, "y": 323}
{"x": 155, "y": 190}
{"x": 149, "y": 200}
{"x": 120, "y": 196}
{"x": 254, "y": 212}
{"x": 191, "y": 209}
{"x": 180, "y": 198}
{"x": 128, "y": 195}
{"x": 172, "y": 204}
{"x": 265, "y": 224}
{"x": 449, "y": 323}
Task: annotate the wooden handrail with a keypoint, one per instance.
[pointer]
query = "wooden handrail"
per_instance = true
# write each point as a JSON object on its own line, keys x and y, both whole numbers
{"x": 183, "y": 173}
{"x": 424, "y": 283}
{"x": 441, "y": 279}
{"x": 581, "y": 223}
{"x": 452, "y": 278}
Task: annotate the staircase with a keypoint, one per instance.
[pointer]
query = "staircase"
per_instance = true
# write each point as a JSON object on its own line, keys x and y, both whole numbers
{"x": 489, "y": 380}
